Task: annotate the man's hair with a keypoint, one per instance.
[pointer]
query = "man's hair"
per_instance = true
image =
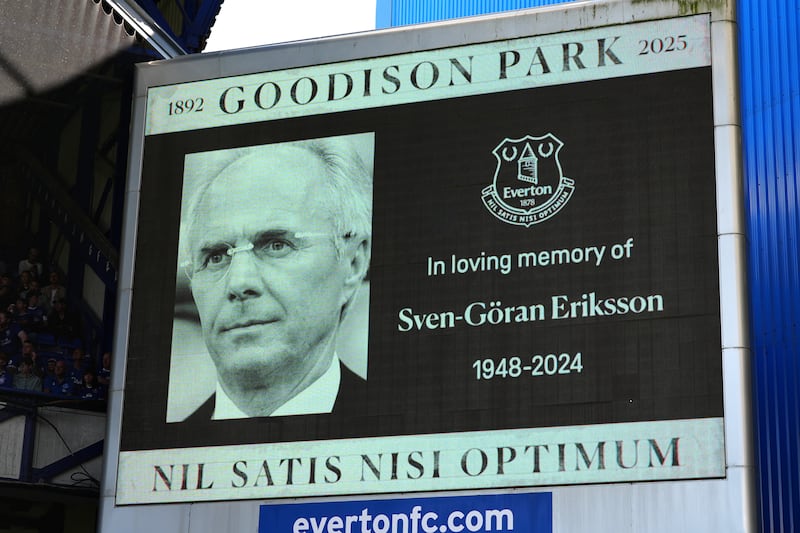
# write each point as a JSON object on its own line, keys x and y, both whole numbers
{"x": 348, "y": 183}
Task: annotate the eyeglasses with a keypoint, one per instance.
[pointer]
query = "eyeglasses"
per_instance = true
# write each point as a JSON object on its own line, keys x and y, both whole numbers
{"x": 211, "y": 263}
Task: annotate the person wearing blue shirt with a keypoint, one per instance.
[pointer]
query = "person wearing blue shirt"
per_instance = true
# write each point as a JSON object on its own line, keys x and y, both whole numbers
{"x": 6, "y": 378}
{"x": 59, "y": 384}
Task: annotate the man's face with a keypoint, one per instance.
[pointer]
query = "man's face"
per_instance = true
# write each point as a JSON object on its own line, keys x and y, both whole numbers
{"x": 60, "y": 368}
{"x": 270, "y": 319}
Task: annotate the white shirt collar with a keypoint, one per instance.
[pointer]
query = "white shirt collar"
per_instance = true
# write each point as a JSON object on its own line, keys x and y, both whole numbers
{"x": 317, "y": 398}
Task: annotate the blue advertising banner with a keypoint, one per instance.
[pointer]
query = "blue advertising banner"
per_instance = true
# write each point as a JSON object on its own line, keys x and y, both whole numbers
{"x": 522, "y": 513}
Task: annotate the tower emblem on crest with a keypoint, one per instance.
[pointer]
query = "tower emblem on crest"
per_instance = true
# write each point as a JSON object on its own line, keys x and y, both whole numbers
{"x": 529, "y": 186}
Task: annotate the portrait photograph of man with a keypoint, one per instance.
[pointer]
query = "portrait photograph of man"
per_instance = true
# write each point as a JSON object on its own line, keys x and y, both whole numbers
{"x": 271, "y": 306}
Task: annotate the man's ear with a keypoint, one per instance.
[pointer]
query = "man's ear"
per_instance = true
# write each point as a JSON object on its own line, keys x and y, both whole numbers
{"x": 357, "y": 255}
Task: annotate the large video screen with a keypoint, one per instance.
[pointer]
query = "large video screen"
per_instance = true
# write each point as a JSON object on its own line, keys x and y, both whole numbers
{"x": 485, "y": 266}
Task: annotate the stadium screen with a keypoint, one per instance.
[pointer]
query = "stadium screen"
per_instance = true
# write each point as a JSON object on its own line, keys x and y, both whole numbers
{"x": 491, "y": 265}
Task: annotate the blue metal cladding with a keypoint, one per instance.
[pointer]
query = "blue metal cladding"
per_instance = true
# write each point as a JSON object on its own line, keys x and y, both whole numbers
{"x": 769, "y": 46}
{"x": 391, "y": 13}
{"x": 769, "y": 55}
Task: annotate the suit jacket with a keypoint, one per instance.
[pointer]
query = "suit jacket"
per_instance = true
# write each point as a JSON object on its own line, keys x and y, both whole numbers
{"x": 351, "y": 397}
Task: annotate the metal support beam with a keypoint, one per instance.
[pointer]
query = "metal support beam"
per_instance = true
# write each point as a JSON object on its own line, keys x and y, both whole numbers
{"x": 156, "y": 33}
{"x": 68, "y": 462}
{"x": 98, "y": 252}
{"x": 28, "y": 446}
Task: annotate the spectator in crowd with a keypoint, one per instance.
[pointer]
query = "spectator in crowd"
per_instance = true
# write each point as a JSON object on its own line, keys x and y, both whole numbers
{"x": 29, "y": 352}
{"x": 11, "y": 334}
{"x": 78, "y": 368}
{"x": 16, "y": 358}
{"x": 52, "y": 292}
{"x": 32, "y": 263}
{"x": 50, "y": 369}
{"x": 62, "y": 323}
{"x": 90, "y": 390}
{"x": 26, "y": 379}
{"x": 60, "y": 383}
{"x": 7, "y": 291}
{"x": 6, "y": 378}
{"x": 18, "y": 311}
{"x": 36, "y": 288}
{"x": 25, "y": 286}
{"x": 104, "y": 374}
{"x": 35, "y": 315}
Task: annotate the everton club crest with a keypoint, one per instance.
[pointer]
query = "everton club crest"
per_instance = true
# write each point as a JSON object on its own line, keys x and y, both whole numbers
{"x": 529, "y": 186}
